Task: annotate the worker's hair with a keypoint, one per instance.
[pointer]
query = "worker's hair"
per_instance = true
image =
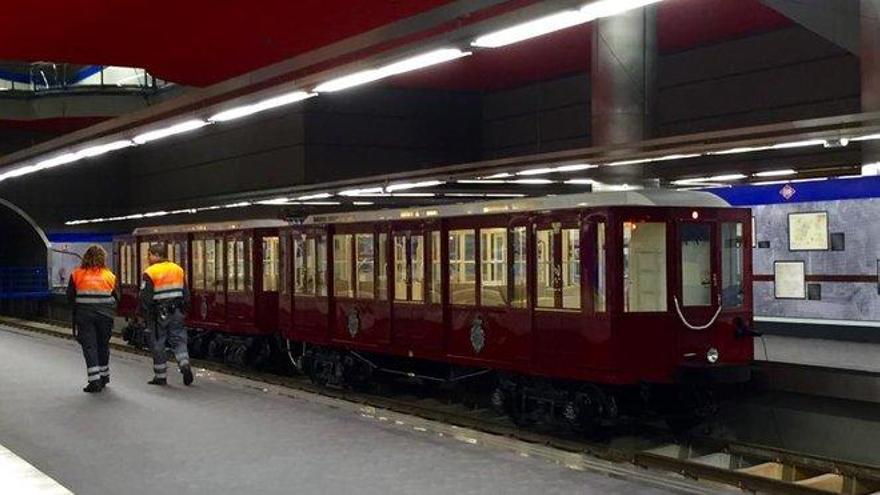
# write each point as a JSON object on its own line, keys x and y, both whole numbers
{"x": 95, "y": 257}
{"x": 159, "y": 250}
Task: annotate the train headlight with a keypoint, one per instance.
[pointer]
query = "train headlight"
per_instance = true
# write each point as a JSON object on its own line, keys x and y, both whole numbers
{"x": 712, "y": 355}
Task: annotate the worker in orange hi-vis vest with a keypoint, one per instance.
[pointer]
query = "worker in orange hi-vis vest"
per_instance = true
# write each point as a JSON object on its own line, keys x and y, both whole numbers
{"x": 163, "y": 301}
{"x": 93, "y": 296}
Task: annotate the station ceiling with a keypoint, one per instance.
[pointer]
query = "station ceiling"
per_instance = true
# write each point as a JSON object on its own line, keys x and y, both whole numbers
{"x": 202, "y": 42}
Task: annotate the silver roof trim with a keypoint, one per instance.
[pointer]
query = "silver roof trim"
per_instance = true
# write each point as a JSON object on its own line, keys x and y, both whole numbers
{"x": 211, "y": 227}
{"x": 650, "y": 197}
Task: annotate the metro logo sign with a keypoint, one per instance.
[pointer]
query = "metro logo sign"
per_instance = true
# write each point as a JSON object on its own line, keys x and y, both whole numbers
{"x": 787, "y": 192}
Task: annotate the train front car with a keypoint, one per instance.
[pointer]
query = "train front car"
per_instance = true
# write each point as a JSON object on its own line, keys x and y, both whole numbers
{"x": 684, "y": 316}
{"x": 582, "y": 309}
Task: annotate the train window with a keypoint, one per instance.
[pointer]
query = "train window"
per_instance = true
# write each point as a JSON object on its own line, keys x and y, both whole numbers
{"x": 230, "y": 266}
{"x": 178, "y": 255}
{"x": 300, "y": 272}
{"x": 644, "y": 266}
{"x": 547, "y": 270}
{"x": 241, "y": 266}
{"x": 198, "y": 273}
{"x": 436, "y": 273}
{"x": 493, "y": 263}
{"x": 365, "y": 263}
{"x": 321, "y": 265}
{"x": 308, "y": 266}
{"x": 520, "y": 289}
{"x": 210, "y": 269}
{"x": 571, "y": 269}
{"x": 382, "y": 277}
{"x": 282, "y": 267}
{"x": 248, "y": 264}
{"x": 342, "y": 280}
{"x": 732, "y": 265}
{"x": 169, "y": 252}
{"x": 271, "y": 260}
{"x": 219, "y": 269}
{"x": 401, "y": 274}
{"x": 462, "y": 267}
{"x": 696, "y": 264}
{"x": 417, "y": 267}
{"x": 123, "y": 263}
{"x": 599, "y": 284}
{"x": 145, "y": 260}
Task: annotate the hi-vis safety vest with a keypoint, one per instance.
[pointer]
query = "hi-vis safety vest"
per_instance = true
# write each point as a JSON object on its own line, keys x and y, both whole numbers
{"x": 94, "y": 285}
{"x": 167, "y": 280}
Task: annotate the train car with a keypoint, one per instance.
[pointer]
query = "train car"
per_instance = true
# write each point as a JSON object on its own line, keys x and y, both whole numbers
{"x": 579, "y": 306}
{"x": 232, "y": 273}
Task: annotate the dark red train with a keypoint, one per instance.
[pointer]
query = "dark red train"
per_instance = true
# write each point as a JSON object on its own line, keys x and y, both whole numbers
{"x": 579, "y": 308}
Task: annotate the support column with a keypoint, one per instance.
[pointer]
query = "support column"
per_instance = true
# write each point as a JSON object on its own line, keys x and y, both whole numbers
{"x": 869, "y": 55}
{"x": 623, "y": 77}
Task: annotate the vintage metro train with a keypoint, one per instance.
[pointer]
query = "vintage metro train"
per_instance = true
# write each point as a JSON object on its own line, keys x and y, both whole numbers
{"x": 576, "y": 307}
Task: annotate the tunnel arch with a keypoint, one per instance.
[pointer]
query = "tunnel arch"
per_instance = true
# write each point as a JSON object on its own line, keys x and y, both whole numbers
{"x": 22, "y": 241}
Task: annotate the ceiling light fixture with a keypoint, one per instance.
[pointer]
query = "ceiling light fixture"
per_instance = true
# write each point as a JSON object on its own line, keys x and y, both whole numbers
{"x": 189, "y": 125}
{"x": 727, "y": 177}
{"x": 576, "y": 167}
{"x": 407, "y": 65}
{"x": 314, "y": 196}
{"x": 101, "y": 149}
{"x": 531, "y": 181}
{"x": 267, "y": 104}
{"x": 413, "y": 185}
{"x": 362, "y": 192}
{"x": 557, "y": 22}
{"x": 776, "y": 173}
{"x": 536, "y": 171}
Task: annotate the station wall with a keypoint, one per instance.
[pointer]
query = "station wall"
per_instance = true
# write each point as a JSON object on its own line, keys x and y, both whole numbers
{"x": 783, "y": 75}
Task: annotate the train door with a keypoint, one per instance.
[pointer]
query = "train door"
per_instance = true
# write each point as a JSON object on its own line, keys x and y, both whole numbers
{"x": 361, "y": 312}
{"x": 487, "y": 280}
{"x": 557, "y": 319}
{"x": 311, "y": 315}
{"x": 417, "y": 325}
{"x": 208, "y": 280}
{"x": 240, "y": 314}
{"x": 696, "y": 296}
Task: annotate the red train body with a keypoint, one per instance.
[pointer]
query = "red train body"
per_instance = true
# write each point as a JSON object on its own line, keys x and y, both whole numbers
{"x": 616, "y": 290}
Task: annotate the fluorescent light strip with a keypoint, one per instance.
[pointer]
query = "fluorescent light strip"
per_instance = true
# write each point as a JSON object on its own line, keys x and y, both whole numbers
{"x": 531, "y": 181}
{"x": 413, "y": 185}
{"x": 580, "y": 181}
{"x": 413, "y": 195}
{"x": 532, "y": 29}
{"x": 362, "y": 203}
{"x": 869, "y": 137}
{"x": 101, "y": 149}
{"x": 536, "y": 171}
{"x": 314, "y": 196}
{"x": 270, "y": 103}
{"x": 407, "y": 65}
{"x": 727, "y": 177}
{"x": 776, "y": 173}
{"x": 557, "y": 22}
{"x": 362, "y": 192}
{"x": 577, "y": 167}
{"x": 189, "y": 125}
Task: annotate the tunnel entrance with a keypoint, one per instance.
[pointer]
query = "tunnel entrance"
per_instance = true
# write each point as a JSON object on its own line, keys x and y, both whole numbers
{"x": 24, "y": 254}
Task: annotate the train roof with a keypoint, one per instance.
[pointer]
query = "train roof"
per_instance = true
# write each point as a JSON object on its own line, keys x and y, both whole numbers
{"x": 648, "y": 197}
{"x": 211, "y": 227}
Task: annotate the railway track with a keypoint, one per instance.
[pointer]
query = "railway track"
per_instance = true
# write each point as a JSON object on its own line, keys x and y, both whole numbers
{"x": 650, "y": 455}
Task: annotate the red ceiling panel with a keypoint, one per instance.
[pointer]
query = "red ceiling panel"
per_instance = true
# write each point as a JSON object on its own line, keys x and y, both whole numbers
{"x": 192, "y": 42}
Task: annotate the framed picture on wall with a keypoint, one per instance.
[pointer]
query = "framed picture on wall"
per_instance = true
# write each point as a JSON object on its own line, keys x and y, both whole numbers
{"x": 790, "y": 280}
{"x": 808, "y": 231}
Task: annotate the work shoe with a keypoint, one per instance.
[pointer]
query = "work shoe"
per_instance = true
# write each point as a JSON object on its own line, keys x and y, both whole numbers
{"x": 158, "y": 381}
{"x": 187, "y": 374}
{"x": 93, "y": 387}
{"x": 105, "y": 380}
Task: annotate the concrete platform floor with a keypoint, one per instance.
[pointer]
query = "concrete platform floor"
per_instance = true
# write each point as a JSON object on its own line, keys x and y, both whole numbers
{"x": 218, "y": 437}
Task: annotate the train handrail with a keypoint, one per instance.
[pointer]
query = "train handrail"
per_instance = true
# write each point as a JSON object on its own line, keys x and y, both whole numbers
{"x": 689, "y": 324}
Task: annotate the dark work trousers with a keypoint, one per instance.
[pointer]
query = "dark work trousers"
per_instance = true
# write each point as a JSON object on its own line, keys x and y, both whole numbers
{"x": 93, "y": 334}
{"x": 171, "y": 330}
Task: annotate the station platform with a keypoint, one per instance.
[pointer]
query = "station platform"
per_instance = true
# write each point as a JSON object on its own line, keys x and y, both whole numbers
{"x": 224, "y": 435}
